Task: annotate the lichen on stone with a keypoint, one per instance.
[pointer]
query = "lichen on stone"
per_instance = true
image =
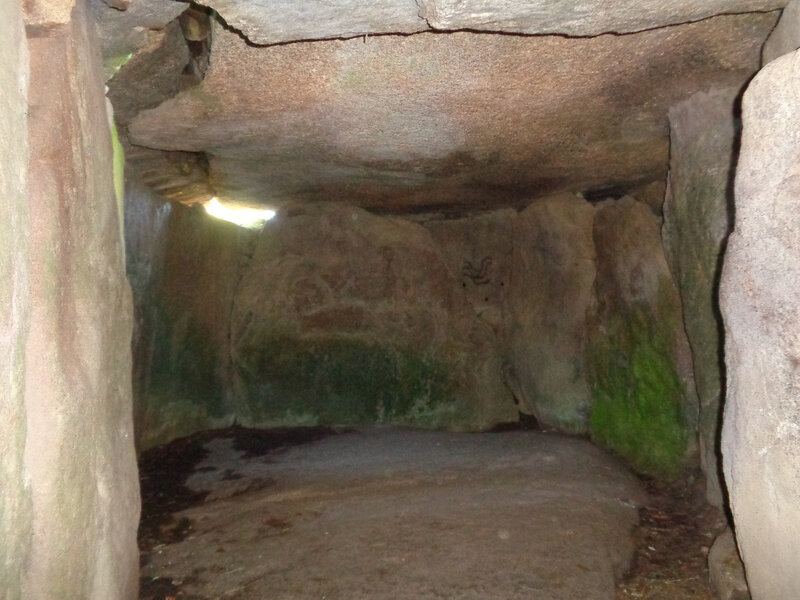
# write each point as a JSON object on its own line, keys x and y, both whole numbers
{"x": 342, "y": 380}
{"x": 637, "y": 395}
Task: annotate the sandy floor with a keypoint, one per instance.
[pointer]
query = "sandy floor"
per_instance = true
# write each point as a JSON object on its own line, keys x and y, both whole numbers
{"x": 391, "y": 513}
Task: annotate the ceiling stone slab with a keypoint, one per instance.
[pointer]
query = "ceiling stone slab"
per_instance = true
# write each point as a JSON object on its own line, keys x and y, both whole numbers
{"x": 455, "y": 121}
{"x": 586, "y": 18}
{"x": 276, "y": 21}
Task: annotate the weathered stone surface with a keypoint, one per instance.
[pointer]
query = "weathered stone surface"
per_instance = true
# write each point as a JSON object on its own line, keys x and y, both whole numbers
{"x": 373, "y": 302}
{"x": 399, "y": 123}
{"x": 45, "y": 14}
{"x": 759, "y": 301}
{"x": 183, "y": 384}
{"x": 551, "y": 284}
{"x": 330, "y": 315}
{"x": 725, "y": 569}
{"x": 270, "y": 22}
{"x": 15, "y": 501}
{"x": 154, "y": 74}
{"x": 638, "y": 360}
{"x": 146, "y": 219}
{"x": 79, "y": 455}
{"x": 151, "y": 76}
{"x": 122, "y": 32}
{"x": 479, "y": 250}
{"x": 579, "y": 18}
{"x": 652, "y": 194}
{"x": 697, "y": 220}
{"x": 785, "y": 38}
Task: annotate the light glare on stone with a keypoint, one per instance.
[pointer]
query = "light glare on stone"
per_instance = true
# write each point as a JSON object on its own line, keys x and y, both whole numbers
{"x": 252, "y": 218}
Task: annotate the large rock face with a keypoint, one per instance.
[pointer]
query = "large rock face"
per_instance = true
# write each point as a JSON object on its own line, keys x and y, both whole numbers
{"x": 15, "y": 500}
{"x": 761, "y": 276}
{"x": 638, "y": 359}
{"x": 77, "y": 516}
{"x": 697, "y": 219}
{"x": 785, "y": 38}
{"x": 330, "y": 315}
{"x": 551, "y": 289}
{"x": 454, "y": 122}
{"x": 271, "y": 22}
{"x": 184, "y": 307}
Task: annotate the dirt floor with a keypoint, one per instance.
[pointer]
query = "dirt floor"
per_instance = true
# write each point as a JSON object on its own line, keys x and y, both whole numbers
{"x": 392, "y": 513}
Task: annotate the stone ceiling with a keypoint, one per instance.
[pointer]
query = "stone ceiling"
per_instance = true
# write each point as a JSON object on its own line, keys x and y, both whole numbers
{"x": 430, "y": 122}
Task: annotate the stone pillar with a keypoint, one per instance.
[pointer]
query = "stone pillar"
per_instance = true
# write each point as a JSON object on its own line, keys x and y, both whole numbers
{"x": 79, "y": 461}
{"x": 696, "y": 224}
{"x": 550, "y": 290}
{"x": 760, "y": 301}
{"x": 15, "y": 501}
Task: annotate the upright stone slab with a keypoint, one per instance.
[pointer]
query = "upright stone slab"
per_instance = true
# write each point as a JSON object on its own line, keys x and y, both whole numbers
{"x": 638, "y": 359}
{"x": 15, "y": 502}
{"x": 761, "y": 310}
{"x": 785, "y": 38}
{"x": 550, "y": 290}
{"x": 696, "y": 224}
{"x": 79, "y": 454}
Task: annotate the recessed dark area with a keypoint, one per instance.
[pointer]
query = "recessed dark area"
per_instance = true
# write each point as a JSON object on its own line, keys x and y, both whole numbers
{"x": 402, "y": 300}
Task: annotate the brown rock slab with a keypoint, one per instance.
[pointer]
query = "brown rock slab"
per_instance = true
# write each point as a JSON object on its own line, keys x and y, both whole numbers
{"x": 551, "y": 288}
{"x": 725, "y": 569}
{"x": 271, "y": 22}
{"x": 785, "y": 38}
{"x": 697, "y": 220}
{"x": 445, "y": 122}
{"x": 330, "y": 315}
{"x": 125, "y": 28}
{"x": 45, "y": 14}
{"x": 479, "y": 250}
{"x": 80, "y": 464}
{"x": 15, "y": 500}
{"x": 644, "y": 404}
{"x": 579, "y": 18}
{"x": 758, "y": 296}
{"x": 343, "y": 285}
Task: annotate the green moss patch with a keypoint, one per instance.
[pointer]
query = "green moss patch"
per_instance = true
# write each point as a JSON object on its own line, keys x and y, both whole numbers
{"x": 637, "y": 395}
{"x": 342, "y": 381}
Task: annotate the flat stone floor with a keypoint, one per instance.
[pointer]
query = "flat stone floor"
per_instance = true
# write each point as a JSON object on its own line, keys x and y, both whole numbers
{"x": 387, "y": 513}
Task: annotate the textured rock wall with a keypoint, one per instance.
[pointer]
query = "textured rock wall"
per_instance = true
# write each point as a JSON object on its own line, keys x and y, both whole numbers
{"x": 69, "y": 496}
{"x": 638, "y": 359}
{"x": 697, "y": 219}
{"x": 15, "y": 500}
{"x": 758, "y": 296}
{"x": 330, "y": 315}
{"x": 184, "y": 305}
{"x": 335, "y": 315}
{"x": 270, "y": 22}
{"x": 551, "y": 288}
{"x": 785, "y": 38}
{"x": 530, "y": 276}
{"x": 79, "y": 456}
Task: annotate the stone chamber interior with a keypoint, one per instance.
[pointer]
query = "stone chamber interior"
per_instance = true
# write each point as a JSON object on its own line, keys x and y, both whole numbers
{"x": 519, "y": 321}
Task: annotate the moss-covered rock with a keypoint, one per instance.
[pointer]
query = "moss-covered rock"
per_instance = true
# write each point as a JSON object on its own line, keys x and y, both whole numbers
{"x": 340, "y": 380}
{"x": 697, "y": 221}
{"x": 637, "y": 395}
{"x": 331, "y": 315}
{"x": 637, "y": 356}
